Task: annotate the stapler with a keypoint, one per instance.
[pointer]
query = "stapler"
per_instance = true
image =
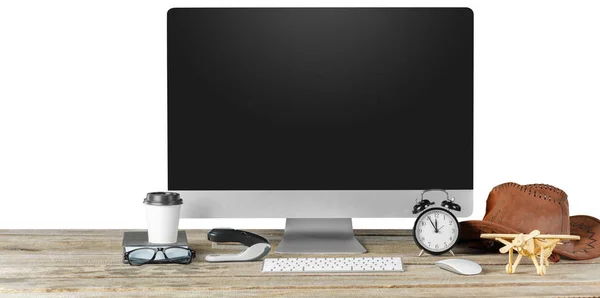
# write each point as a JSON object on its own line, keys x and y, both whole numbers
{"x": 258, "y": 246}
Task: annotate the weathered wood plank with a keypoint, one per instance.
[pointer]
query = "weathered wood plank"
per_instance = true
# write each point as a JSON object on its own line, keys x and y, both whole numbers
{"x": 493, "y": 271}
{"x": 479, "y": 291}
{"x": 435, "y": 278}
{"x": 84, "y": 260}
{"x": 303, "y": 283}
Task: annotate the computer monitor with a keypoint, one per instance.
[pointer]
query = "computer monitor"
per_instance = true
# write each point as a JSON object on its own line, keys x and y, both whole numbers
{"x": 319, "y": 115}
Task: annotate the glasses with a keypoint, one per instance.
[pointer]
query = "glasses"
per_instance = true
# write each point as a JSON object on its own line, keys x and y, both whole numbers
{"x": 172, "y": 254}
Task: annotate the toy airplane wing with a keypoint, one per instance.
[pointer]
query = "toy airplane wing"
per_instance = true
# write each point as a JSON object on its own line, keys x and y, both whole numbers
{"x": 540, "y": 236}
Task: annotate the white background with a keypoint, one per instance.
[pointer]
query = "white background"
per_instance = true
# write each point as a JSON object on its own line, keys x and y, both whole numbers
{"x": 83, "y": 99}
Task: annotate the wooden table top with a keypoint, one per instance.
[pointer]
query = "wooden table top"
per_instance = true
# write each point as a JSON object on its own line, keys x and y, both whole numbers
{"x": 59, "y": 263}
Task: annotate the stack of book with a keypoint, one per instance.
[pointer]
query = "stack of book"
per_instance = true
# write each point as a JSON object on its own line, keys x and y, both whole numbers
{"x": 139, "y": 239}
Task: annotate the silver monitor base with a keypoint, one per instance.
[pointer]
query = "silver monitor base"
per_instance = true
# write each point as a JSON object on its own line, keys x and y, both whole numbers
{"x": 319, "y": 236}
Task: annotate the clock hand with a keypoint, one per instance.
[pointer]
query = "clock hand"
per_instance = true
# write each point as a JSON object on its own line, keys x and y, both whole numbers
{"x": 436, "y": 224}
{"x": 441, "y": 227}
{"x": 434, "y": 228}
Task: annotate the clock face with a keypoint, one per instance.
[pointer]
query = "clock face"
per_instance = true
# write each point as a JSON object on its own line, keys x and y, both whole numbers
{"x": 436, "y": 230}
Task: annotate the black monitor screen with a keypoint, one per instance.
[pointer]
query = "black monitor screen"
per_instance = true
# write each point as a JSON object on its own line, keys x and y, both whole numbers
{"x": 320, "y": 98}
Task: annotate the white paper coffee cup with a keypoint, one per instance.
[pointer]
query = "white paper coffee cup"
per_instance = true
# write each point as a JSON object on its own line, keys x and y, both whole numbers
{"x": 162, "y": 216}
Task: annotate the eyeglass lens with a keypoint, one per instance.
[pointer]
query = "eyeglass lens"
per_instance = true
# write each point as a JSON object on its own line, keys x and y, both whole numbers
{"x": 140, "y": 256}
{"x": 178, "y": 255}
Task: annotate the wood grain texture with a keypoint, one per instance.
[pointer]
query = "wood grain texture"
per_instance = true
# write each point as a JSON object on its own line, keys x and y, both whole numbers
{"x": 60, "y": 263}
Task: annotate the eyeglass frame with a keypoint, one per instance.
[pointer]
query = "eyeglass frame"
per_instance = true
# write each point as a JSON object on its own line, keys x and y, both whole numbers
{"x": 161, "y": 249}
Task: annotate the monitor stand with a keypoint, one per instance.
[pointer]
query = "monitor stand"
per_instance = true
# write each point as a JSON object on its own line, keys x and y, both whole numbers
{"x": 319, "y": 236}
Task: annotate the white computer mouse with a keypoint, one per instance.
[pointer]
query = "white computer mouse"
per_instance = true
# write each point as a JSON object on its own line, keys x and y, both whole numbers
{"x": 460, "y": 266}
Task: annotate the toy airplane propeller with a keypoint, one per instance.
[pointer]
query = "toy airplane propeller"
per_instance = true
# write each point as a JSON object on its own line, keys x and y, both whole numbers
{"x": 533, "y": 245}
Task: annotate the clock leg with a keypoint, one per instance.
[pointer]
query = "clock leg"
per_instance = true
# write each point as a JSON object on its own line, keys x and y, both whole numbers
{"x": 423, "y": 252}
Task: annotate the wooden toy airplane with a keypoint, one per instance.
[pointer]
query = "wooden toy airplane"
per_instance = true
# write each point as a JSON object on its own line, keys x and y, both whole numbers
{"x": 532, "y": 245}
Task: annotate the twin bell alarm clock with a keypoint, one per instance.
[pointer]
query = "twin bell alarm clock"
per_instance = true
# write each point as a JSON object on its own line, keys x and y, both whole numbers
{"x": 436, "y": 229}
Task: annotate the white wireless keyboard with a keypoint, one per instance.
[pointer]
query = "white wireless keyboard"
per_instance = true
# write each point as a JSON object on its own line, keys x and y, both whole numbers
{"x": 371, "y": 264}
